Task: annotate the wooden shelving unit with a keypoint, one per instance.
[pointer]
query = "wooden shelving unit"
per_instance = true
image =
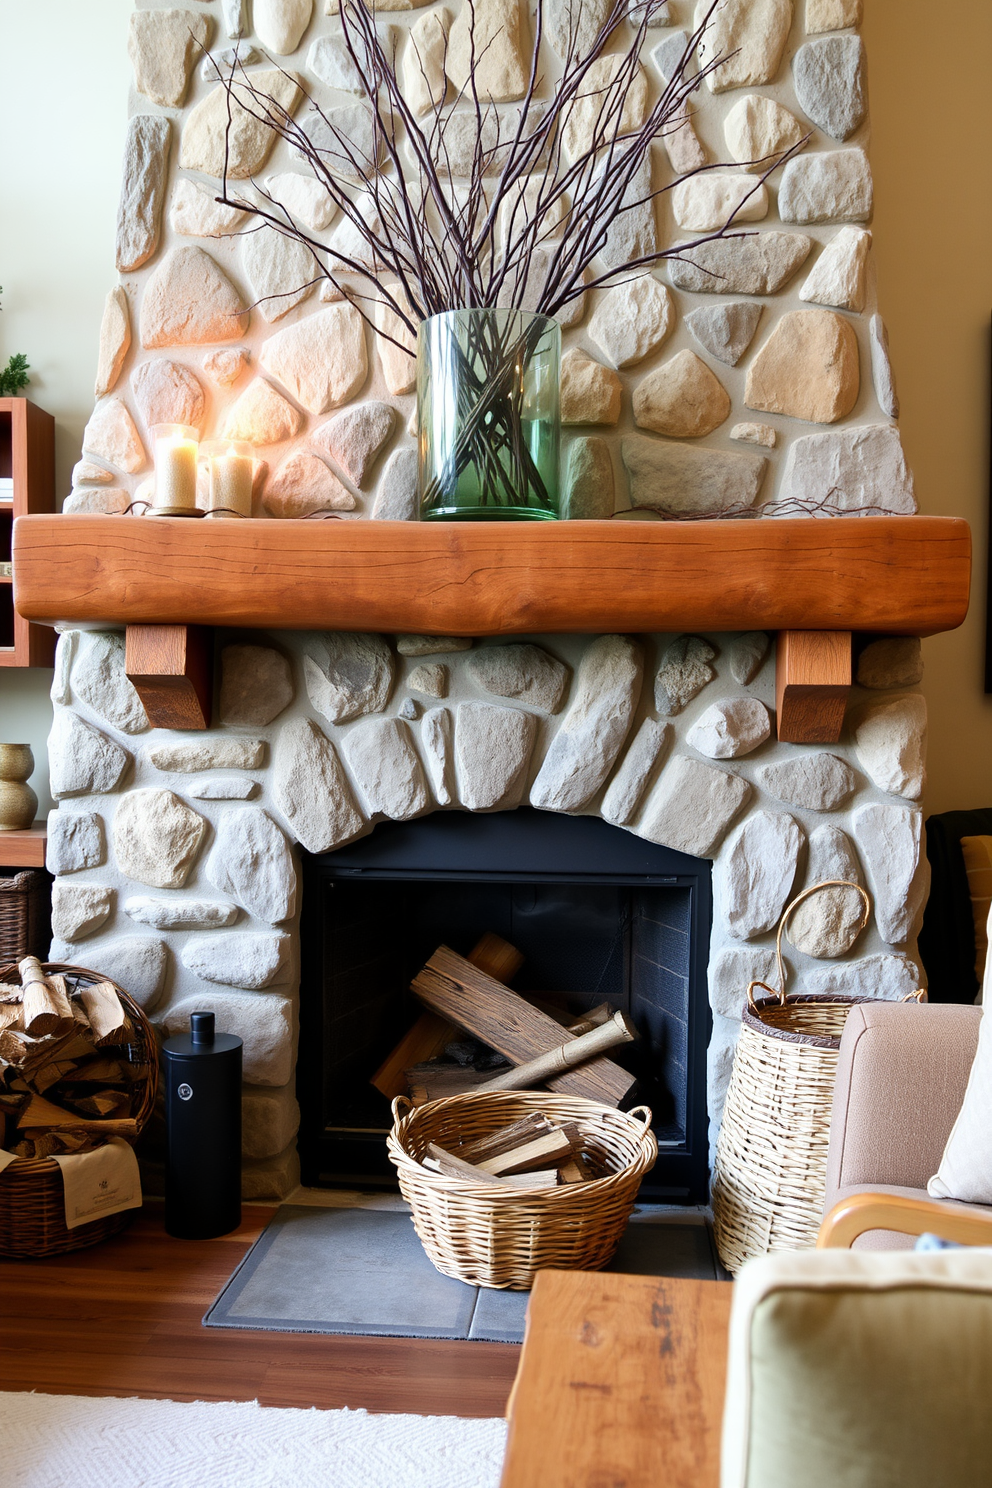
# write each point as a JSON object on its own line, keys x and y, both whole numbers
{"x": 25, "y": 848}
{"x": 27, "y": 455}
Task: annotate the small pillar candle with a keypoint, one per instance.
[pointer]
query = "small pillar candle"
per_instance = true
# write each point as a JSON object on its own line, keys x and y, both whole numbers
{"x": 175, "y": 470}
{"x": 230, "y": 469}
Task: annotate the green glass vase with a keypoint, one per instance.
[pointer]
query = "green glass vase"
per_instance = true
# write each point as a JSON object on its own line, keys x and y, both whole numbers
{"x": 488, "y": 415}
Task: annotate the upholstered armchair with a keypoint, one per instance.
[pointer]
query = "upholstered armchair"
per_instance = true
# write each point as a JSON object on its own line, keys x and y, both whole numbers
{"x": 867, "y": 1371}
{"x": 900, "y": 1082}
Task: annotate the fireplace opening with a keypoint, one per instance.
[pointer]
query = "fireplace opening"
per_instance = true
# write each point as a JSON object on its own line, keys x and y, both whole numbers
{"x": 598, "y": 915}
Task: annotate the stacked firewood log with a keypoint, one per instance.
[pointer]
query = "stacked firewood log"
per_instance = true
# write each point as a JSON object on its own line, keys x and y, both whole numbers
{"x": 66, "y": 1084}
{"x": 478, "y": 1034}
{"x": 534, "y": 1152}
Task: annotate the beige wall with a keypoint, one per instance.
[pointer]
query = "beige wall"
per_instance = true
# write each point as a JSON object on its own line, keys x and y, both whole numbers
{"x": 928, "y": 78}
{"x": 64, "y": 78}
{"x": 932, "y": 237}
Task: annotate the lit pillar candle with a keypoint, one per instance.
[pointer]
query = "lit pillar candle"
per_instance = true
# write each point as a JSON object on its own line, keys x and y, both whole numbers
{"x": 175, "y": 470}
{"x": 230, "y": 468}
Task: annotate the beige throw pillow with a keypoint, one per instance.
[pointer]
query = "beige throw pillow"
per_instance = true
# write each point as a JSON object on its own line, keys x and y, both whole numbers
{"x": 965, "y": 1170}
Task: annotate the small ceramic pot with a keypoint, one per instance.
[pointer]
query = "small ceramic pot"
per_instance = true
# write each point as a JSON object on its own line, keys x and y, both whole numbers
{"x": 18, "y": 802}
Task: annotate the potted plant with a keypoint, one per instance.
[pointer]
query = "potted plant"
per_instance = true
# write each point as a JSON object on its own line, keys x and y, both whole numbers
{"x": 14, "y": 376}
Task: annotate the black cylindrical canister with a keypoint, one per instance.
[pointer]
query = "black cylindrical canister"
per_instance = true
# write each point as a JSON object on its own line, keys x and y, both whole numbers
{"x": 203, "y": 1131}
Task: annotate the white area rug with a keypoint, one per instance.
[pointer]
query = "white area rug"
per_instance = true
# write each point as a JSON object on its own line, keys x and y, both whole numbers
{"x": 67, "y": 1441}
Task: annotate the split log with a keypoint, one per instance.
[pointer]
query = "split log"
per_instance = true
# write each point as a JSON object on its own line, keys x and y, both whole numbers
{"x": 546, "y": 1178}
{"x": 104, "y": 1103}
{"x": 594, "y": 1018}
{"x": 431, "y": 1033}
{"x": 75, "y": 1046}
{"x": 45, "y": 1143}
{"x": 505, "y": 1139}
{"x": 574, "y": 1170}
{"x": 496, "y": 957}
{"x": 121, "y": 1126}
{"x": 40, "y": 1112}
{"x": 441, "y": 1161}
{"x": 46, "y": 1004}
{"x": 99, "y": 1071}
{"x": 51, "y": 1074}
{"x": 549, "y": 1149}
{"x": 11, "y": 1015}
{"x": 70, "y": 1142}
{"x": 29, "y": 1055}
{"x": 430, "y": 1081}
{"x": 619, "y": 1030}
{"x": 107, "y": 1019}
{"x": 17, "y": 1047}
{"x": 452, "y": 986}
{"x": 428, "y": 1038}
{"x": 455, "y": 1167}
{"x": 42, "y": 1115}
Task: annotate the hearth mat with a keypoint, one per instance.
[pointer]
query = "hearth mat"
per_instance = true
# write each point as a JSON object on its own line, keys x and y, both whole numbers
{"x": 363, "y": 1271}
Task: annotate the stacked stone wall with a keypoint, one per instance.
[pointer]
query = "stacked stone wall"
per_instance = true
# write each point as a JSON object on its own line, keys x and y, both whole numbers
{"x": 755, "y": 372}
{"x": 176, "y": 860}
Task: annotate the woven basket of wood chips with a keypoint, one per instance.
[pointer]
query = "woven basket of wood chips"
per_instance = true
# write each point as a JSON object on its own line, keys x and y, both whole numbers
{"x": 32, "y": 1197}
{"x": 501, "y": 1238}
{"x": 769, "y": 1177}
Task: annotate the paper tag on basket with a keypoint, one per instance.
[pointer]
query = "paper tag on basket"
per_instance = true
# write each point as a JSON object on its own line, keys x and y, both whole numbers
{"x": 100, "y": 1182}
{"x": 6, "y": 1158}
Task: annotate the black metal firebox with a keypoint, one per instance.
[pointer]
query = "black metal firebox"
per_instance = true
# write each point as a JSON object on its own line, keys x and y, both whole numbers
{"x": 598, "y": 915}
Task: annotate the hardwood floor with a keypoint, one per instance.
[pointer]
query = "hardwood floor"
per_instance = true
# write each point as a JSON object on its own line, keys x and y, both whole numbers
{"x": 124, "y": 1319}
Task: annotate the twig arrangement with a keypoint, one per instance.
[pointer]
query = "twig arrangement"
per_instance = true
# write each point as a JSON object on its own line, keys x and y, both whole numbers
{"x": 515, "y": 222}
{"x": 537, "y": 205}
{"x": 829, "y": 505}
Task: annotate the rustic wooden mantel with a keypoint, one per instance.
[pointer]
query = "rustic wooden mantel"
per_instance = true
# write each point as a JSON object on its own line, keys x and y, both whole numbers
{"x": 882, "y": 575}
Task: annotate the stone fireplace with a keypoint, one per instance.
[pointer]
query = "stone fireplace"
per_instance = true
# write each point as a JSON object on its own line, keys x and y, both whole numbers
{"x": 177, "y": 852}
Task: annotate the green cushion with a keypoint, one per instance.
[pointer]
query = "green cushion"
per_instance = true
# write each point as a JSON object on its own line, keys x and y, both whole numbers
{"x": 870, "y": 1389}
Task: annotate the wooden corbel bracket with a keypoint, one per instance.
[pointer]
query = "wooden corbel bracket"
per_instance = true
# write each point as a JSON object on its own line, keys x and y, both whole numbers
{"x": 171, "y": 669}
{"x": 812, "y": 681}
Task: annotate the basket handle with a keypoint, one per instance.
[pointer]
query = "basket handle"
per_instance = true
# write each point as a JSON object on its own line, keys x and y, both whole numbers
{"x": 827, "y": 883}
{"x": 919, "y": 996}
{"x": 644, "y": 1114}
{"x": 402, "y": 1106}
{"x": 764, "y": 985}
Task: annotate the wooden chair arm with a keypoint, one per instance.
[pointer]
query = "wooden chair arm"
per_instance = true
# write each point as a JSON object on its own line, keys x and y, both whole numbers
{"x": 965, "y": 1224}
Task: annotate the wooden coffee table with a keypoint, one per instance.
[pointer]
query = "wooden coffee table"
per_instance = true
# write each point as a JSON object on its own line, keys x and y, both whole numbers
{"x": 620, "y": 1383}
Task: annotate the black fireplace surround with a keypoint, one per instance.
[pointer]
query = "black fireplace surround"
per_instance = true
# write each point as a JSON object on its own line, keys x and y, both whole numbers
{"x": 598, "y": 915}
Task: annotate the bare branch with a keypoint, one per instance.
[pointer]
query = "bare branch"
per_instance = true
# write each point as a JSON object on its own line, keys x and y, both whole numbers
{"x": 535, "y": 210}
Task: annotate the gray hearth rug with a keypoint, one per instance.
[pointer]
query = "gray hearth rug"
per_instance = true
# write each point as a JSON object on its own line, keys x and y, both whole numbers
{"x": 364, "y": 1271}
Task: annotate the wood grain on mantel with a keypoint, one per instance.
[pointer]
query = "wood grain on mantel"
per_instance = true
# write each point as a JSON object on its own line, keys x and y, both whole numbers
{"x": 893, "y": 575}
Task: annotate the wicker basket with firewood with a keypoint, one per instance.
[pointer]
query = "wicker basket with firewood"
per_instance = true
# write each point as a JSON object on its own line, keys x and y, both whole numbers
{"x": 506, "y": 1178}
{"x": 78, "y": 1065}
{"x": 505, "y": 1184}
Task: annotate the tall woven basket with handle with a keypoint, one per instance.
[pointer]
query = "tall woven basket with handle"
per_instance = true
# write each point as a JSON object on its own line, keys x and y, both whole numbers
{"x": 769, "y": 1177}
